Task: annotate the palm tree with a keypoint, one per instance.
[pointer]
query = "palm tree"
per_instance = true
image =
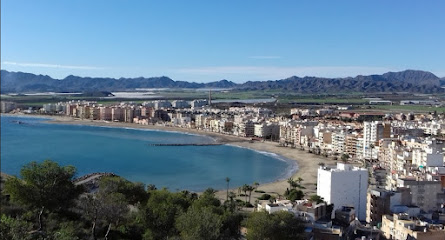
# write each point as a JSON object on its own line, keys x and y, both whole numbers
{"x": 227, "y": 181}
{"x": 250, "y": 189}
{"x": 245, "y": 189}
{"x": 256, "y": 185}
{"x": 291, "y": 182}
{"x": 299, "y": 180}
{"x": 232, "y": 195}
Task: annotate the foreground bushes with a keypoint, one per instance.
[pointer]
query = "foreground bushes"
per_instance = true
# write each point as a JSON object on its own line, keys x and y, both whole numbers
{"x": 45, "y": 204}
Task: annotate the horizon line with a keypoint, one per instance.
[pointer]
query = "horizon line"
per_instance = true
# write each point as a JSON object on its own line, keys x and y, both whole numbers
{"x": 160, "y": 76}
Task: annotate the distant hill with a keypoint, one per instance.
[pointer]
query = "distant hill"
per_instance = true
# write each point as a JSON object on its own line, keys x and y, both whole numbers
{"x": 407, "y": 81}
{"x": 442, "y": 82}
{"x": 26, "y": 82}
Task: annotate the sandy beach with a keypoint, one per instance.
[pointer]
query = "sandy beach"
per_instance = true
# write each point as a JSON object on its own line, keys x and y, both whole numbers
{"x": 307, "y": 162}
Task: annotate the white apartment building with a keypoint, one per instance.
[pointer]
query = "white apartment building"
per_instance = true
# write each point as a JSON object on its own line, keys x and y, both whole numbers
{"x": 180, "y": 104}
{"x": 344, "y": 186}
{"x": 7, "y": 107}
{"x": 372, "y": 133}
{"x": 162, "y": 104}
{"x": 199, "y": 103}
{"x": 338, "y": 141}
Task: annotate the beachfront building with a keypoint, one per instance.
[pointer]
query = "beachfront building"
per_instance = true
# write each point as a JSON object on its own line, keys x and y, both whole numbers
{"x": 344, "y": 185}
{"x": 117, "y": 114}
{"x": 7, "y": 107}
{"x": 198, "y": 103}
{"x": 180, "y": 104}
{"x": 161, "y": 104}
{"x": 105, "y": 113}
{"x": 95, "y": 113}
{"x": 267, "y": 130}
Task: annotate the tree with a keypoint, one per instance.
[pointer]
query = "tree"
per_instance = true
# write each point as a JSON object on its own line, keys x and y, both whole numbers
{"x": 291, "y": 182}
{"x": 207, "y": 199}
{"x": 299, "y": 180}
{"x": 256, "y": 185}
{"x": 44, "y": 187}
{"x": 316, "y": 198}
{"x": 227, "y": 181}
{"x": 260, "y": 226}
{"x": 276, "y": 226}
{"x": 14, "y": 228}
{"x": 344, "y": 158}
{"x": 245, "y": 189}
{"x": 133, "y": 192}
{"x": 287, "y": 226}
{"x": 109, "y": 205}
{"x": 294, "y": 194}
{"x": 197, "y": 224}
{"x": 159, "y": 213}
{"x": 250, "y": 189}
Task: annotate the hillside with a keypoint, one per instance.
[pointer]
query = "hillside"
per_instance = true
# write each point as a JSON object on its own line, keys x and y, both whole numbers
{"x": 404, "y": 81}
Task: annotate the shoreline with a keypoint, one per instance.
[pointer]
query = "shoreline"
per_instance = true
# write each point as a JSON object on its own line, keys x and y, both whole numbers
{"x": 306, "y": 163}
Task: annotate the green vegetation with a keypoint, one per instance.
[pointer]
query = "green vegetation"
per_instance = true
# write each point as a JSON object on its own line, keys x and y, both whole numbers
{"x": 320, "y": 99}
{"x": 45, "y": 204}
{"x": 279, "y": 225}
{"x": 415, "y": 108}
{"x": 315, "y": 198}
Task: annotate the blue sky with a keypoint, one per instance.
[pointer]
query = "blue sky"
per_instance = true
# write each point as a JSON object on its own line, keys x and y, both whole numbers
{"x": 211, "y": 40}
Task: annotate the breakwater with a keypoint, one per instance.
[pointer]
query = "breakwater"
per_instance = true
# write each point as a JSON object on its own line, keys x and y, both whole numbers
{"x": 92, "y": 176}
{"x": 183, "y": 144}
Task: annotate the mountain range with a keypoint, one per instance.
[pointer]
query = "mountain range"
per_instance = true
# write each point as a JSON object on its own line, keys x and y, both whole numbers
{"x": 405, "y": 81}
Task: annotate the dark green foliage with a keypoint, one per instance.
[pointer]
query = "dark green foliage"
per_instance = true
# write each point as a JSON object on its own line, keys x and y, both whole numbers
{"x": 264, "y": 197}
{"x": 161, "y": 210}
{"x": 277, "y": 226}
{"x": 43, "y": 184}
{"x": 14, "y": 228}
{"x": 119, "y": 209}
{"x": 199, "y": 224}
{"x": 294, "y": 194}
{"x": 44, "y": 188}
{"x": 133, "y": 192}
{"x": 317, "y": 199}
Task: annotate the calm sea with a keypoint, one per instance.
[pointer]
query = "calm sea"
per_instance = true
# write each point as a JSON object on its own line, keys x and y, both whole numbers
{"x": 126, "y": 152}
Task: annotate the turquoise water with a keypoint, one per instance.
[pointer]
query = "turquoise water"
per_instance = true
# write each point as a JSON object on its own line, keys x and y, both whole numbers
{"x": 125, "y": 151}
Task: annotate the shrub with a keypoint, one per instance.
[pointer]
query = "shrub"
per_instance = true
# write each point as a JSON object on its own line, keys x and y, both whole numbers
{"x": 264, "y": 197}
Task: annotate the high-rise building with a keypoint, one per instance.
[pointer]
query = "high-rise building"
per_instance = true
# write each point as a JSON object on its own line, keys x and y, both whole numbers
{"x": 372, "y": 133}
{"x": 344, "y": 186}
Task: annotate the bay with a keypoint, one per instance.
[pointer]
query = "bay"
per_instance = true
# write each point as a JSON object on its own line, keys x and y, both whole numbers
{"x": 126, "y": 152}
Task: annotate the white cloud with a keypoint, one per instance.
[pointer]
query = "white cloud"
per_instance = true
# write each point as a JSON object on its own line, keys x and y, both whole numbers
{"x": 274, "y": 72}
{"x": 265, "y": 57}
{"x": 46, "y": 65}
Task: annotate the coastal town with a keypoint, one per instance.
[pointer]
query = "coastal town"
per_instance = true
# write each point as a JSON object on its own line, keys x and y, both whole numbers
{"x": 385, "y": 177}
